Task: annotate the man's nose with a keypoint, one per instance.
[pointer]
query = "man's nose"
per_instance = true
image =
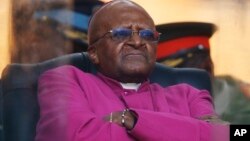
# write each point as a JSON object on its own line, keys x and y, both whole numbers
{"x": 135, "y": 39}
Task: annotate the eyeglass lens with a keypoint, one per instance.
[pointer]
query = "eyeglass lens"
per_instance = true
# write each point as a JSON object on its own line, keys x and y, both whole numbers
{"x": 121, "y": 34}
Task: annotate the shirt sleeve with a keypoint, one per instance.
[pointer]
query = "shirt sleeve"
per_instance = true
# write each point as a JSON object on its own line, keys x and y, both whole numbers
{"x": 65, "y": 114}
{"x": 161, "y": 126}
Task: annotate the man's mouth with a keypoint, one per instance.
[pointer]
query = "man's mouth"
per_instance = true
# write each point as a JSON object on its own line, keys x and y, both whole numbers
{"x": 135, "y": 54}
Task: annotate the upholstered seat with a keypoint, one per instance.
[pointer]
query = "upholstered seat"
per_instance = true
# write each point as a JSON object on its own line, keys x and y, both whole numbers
{"x": 19, "y": 81}
{"x": 1, "y": 112}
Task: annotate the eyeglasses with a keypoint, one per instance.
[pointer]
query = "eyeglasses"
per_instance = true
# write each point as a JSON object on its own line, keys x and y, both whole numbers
{"x": 123, "y": 34}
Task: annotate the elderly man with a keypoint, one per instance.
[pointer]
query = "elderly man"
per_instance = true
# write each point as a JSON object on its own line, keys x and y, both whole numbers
{"x": 119, "y": 103}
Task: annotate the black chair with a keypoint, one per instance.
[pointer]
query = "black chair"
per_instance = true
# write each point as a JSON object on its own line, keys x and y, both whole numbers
{"x": 1, "y": 112}
{"x": 20, "y": 107}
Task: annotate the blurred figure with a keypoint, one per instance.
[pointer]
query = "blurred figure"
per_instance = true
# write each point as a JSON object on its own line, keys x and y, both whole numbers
{"x": 46, "y": 29}
{"x": 186, "y": 44}
{"x": 34, "y": 41}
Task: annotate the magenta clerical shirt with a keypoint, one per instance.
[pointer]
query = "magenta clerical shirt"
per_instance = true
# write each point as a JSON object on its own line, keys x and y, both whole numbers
{"x": 73, "y": 104}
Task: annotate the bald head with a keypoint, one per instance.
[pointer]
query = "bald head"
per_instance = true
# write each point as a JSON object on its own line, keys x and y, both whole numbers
{"x": 129, "y": 60}
{"x": 109, "y": 16}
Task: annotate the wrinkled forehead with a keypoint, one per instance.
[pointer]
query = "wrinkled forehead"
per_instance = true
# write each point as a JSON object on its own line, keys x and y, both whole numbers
{"x": 116, "y": 5}
{"x": 118, "y": 13}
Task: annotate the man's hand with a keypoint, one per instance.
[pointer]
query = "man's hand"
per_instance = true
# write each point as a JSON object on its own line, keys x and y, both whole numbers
{"x": 129, "y": 118}
{"x": 213, "y": 119}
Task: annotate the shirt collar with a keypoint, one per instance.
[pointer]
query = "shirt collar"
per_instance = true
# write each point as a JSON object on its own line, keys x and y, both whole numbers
{"x": 117, "y": 85}
{"x": 130, "y": 86}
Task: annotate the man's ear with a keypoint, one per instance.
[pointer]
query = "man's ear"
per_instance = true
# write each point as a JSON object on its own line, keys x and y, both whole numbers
{"x": 93, "y": 54}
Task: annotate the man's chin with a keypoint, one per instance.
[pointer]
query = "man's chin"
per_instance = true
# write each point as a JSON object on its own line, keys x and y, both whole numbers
{"x": 136, "y": 71}
{"x": 135, "y": 77}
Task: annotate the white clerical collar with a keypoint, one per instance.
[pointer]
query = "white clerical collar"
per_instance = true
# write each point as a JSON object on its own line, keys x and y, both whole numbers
{"x": 132, "y": 86}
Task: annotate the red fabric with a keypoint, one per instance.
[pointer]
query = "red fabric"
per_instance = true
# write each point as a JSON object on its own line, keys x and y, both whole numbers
{"x": 170, "y": 47}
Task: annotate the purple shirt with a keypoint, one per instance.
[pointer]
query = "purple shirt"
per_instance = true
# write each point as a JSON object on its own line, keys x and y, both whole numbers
{"x": 73, "y": 104}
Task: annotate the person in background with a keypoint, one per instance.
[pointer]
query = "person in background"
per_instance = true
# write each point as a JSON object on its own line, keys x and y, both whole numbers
{"x": 119, "y": 102}
{"x": 186, "y": 45}
{"x": 45, "y": 29}
{"x": 34, "y": 40}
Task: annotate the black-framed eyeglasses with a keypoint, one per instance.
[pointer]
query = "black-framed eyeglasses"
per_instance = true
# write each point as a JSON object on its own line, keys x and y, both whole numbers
{"x": 121, "y": 34}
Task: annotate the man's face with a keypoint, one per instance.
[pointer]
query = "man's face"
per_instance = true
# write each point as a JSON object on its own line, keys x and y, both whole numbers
{"x": 129, "y": 60}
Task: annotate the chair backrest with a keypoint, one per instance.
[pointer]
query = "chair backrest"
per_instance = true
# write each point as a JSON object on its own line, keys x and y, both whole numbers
{"x": 1, "y": 112}
{"x": 20, "y": 106}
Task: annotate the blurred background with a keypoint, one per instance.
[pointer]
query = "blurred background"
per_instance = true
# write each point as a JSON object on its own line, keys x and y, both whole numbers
{"x": 36, "y": 30}
{"x": 33, "y": 31}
